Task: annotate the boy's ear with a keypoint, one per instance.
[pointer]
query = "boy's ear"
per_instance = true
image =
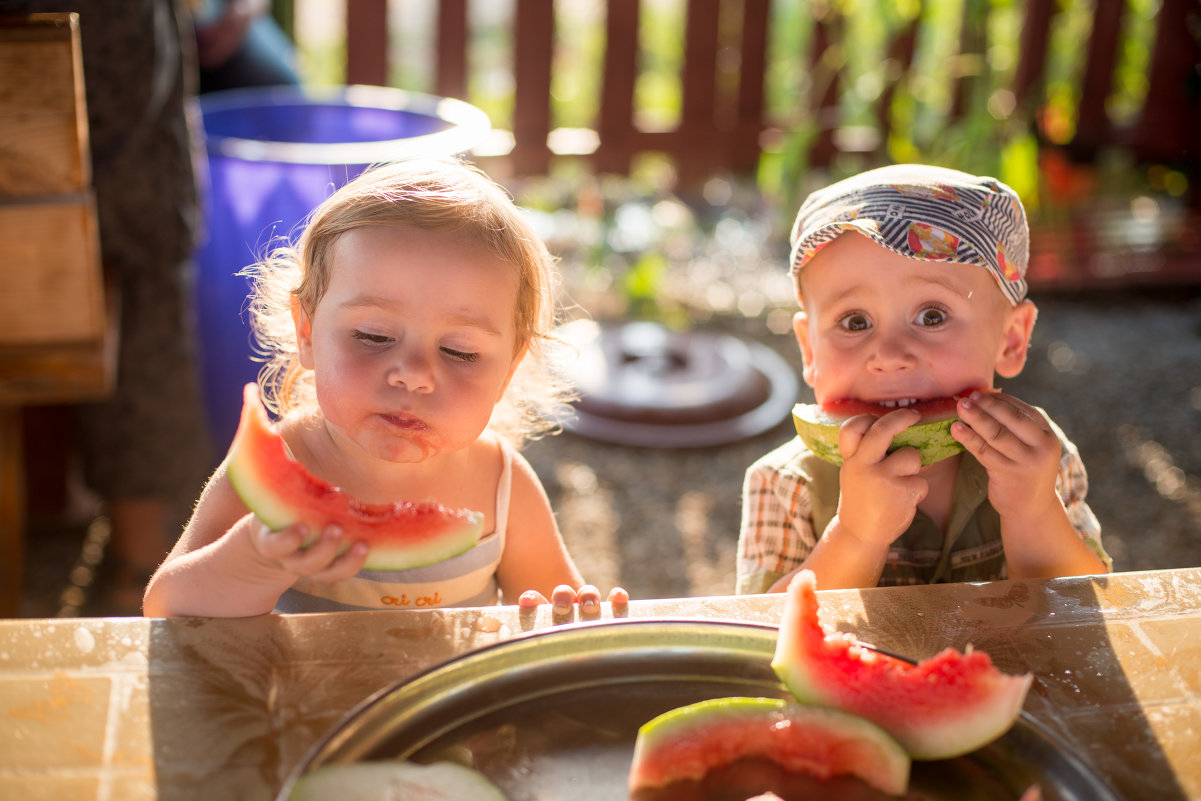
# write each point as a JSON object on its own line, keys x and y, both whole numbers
{"x": 304, "y": 334}
{"x": 1015, "y": 342}
{"x": 800, "y": 327}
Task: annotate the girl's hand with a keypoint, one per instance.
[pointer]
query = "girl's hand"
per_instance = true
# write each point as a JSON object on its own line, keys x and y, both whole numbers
{"x": 325, "y": 560}
{"x": 880, "y": 491}
{"x": 565, "y": 596}
{"x": 1016, "y": 445}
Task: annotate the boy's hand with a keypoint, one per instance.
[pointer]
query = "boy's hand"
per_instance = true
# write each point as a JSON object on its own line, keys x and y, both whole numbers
{"x": 320, "y": 561}
{"x": 1015, "y": 444}
{"x": 879, "y": 491}
{"x": 565, "y": 596}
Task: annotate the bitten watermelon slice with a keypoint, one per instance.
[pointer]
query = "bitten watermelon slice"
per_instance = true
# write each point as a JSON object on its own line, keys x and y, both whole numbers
{"x": 944, "y": 706}
{"x": 688, "y": 742}
{"x": 817, "y": 425}
{"x": 281, "y": 493}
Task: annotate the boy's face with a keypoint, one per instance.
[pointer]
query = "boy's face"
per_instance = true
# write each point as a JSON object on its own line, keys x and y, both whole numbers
{"x": 878, "y": 326}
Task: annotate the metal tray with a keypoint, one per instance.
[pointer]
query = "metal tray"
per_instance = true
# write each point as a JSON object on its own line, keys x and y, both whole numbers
{"x": 553, "y": 714}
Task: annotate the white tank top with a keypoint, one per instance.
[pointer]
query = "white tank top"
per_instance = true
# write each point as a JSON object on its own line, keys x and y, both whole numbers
{"x": 468, "y": 579}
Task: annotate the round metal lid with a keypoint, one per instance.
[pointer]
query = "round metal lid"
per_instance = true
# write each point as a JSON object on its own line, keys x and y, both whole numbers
{"x": 642, "y": 383}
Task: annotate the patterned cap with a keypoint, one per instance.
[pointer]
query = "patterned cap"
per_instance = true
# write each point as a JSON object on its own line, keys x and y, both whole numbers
{"x": 926, "y": 213}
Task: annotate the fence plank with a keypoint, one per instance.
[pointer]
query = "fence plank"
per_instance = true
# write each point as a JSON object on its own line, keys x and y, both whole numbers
{"x": 1169, "y": 126}
{"x": 533, "y": 53}
{"x": 615, "y": 126}
{"x": 367, "y": 42}
{"x": 749, "y": 120}
{"x": 1032, "y": 53}
{"x": 698, "y": 144}
{"x": 451, "y": 69}
{"x": 1093, "y": 127}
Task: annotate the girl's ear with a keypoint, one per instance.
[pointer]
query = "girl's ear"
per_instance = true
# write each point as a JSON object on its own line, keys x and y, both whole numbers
{"x": 304, "y": 334}
{"x": 800, "y": 327}
{"x": 517, "y": 357}
{"x": 1015, "y": 340}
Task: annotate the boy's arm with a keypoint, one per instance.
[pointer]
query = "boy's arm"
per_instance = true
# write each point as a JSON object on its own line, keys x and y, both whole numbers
{"x": 776, "y": 528}
{"x": 878, "y": 497}
{"x": 228, "y": 564}
{"x": 1022, "y": 452}
{"x": 842, "y": 561}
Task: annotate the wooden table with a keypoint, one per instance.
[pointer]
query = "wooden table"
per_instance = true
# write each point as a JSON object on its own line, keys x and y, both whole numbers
{"x": 129, "y": 708}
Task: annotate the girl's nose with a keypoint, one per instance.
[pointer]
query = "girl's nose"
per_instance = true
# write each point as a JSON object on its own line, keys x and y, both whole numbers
{"x": 413, "y": 372}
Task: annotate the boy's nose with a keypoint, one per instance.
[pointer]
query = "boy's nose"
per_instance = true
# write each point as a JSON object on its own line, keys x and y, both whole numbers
{"x": 890, "y": 354}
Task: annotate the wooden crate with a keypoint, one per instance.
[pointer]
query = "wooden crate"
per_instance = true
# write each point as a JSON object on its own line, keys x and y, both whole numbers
{"x": 57, "y": 343}
{"x": 50, "y": 287}
{"x": 43, "y": 125}
{"x": 51, "y": 290}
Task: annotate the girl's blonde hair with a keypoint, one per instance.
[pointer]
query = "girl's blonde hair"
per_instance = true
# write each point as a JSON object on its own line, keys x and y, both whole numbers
{"x": 444, "y": 195}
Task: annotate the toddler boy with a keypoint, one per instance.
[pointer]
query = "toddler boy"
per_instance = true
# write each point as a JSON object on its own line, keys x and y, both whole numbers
{"x": 911, "y": 281}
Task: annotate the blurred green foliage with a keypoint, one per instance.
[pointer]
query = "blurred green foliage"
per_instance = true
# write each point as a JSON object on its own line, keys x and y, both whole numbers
{"x": 990, "y": 135}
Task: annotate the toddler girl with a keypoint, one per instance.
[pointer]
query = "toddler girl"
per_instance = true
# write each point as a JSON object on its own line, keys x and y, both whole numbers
{"x": 407, "y": 331}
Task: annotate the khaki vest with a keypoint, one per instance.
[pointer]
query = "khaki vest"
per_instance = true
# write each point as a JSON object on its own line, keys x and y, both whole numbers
{"x": 970, "y": 550}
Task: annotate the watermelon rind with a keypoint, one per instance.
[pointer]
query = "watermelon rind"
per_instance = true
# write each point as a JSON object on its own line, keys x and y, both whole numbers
{"x": 818, "y": 429}
{"x": 947, "y": 705}
{"x": 282, "y": 493}
{"x": 395, "y": 781}
{"x": 687, "y": 742}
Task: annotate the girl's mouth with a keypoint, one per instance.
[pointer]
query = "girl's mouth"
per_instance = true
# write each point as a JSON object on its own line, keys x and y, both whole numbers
{"x": 406, "y": 422}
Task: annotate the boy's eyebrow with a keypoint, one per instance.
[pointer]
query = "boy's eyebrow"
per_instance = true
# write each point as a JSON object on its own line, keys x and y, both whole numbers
{"x": 943, "y": 279}
{"x": 464, "y": 318}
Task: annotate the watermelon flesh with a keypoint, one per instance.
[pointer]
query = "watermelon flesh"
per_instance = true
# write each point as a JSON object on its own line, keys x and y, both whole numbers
{"x": 688, "y": 742}
{"x": 817, "y": 425}
{"x": 941, "y": 707}
{"x": 282, "y": 493}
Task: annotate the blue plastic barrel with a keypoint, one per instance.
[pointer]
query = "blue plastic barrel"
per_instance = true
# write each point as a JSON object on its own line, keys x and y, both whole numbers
{"x": 274, "y": 154}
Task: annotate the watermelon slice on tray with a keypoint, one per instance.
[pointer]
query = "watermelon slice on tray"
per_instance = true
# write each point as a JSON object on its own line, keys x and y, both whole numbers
{"x": 281, "y": 493}
{"x": 938, "y": 708}
{"x": 689, "y": 742}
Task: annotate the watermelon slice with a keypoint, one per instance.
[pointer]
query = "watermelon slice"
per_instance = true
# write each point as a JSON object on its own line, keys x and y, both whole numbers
{"x": 281, "y": 493}
{"x": 380, "y": 781}
{"x": 817, "y": 425}
{"x": 687, "y": 742}
{"x": 944, "y": 706}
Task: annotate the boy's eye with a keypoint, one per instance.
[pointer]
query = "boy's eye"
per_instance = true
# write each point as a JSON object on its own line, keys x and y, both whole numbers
{"x": 932, "y": 317}
{"x": 855, "y": 322}
{"x": 461, "y": 355}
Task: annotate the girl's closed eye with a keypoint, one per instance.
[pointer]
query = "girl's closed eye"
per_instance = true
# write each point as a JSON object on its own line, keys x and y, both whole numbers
{"x": 461, "y": 355}
{"x": 375, "y": 339}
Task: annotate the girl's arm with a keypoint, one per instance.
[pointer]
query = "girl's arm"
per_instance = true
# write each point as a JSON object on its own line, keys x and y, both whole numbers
{"x": 228, "y": 564}
{"x": 535, "y": 557}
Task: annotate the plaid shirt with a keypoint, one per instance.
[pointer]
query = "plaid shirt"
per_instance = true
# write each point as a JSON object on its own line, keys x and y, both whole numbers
{"x": 789, "y": 495}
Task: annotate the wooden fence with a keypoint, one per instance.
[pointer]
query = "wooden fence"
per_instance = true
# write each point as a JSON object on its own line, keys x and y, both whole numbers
{"x": 723, "y": 124}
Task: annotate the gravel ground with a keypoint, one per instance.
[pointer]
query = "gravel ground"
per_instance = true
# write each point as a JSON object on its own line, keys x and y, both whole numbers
{"x": 1120, "y": 373}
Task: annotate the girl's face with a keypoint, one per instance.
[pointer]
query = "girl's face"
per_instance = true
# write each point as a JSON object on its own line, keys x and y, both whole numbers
{"x": 414, "y": 341}
{"x": 878, "y": 326}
